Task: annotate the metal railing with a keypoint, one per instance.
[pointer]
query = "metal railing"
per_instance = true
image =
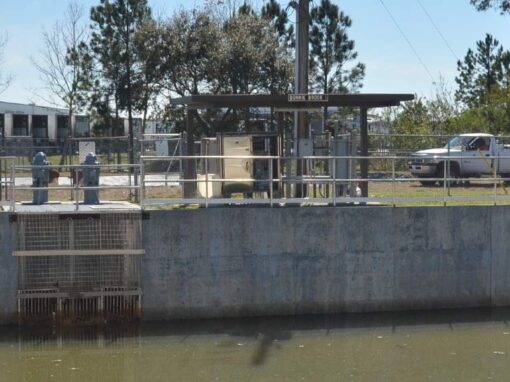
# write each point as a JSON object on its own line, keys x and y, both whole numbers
{"x": 5, "y": 183}
{"x": 20, "y": 183}
{"x": 333, "y": 189}
{"x": 327, "y": 180}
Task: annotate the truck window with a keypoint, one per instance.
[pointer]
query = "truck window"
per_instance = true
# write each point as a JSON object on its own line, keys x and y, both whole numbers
{"x": 479, "y": 143}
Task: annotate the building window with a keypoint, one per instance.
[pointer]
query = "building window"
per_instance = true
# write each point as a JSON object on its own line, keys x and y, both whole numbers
{"x": 62, "y": 132}
{"x": 2, "y": 126}
{"x": 40, "y": 126}
{"x": 81, "y": 126}
{"x": 20, "y": 125}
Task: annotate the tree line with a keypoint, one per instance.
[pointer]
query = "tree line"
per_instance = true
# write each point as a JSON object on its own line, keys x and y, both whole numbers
{"x": 122, "y": 60}
{"x": 481, "y": 100}
{"x": 119, "y": 59}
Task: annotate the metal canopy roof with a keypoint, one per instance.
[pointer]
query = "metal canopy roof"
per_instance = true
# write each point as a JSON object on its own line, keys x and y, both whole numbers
{"x": 282, "y": 101}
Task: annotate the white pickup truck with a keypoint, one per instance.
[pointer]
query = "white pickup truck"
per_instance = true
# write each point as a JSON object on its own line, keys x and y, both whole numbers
{"x": 472, "y": 155}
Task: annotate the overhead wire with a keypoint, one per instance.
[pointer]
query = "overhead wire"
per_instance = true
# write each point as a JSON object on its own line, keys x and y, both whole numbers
{"x": 437, "y": 29}
{"x": 408, "y": 41}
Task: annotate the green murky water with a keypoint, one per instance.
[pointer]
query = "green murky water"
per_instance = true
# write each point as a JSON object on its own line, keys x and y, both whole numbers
{"x": 421, "y": 346}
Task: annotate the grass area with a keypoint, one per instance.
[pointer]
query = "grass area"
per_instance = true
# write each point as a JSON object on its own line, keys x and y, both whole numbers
{"x": 405, "y": 189}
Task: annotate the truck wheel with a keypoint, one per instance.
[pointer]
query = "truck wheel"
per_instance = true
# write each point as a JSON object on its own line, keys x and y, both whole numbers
{"x": 454, "y": 175}
{"x": 507, "y": 177}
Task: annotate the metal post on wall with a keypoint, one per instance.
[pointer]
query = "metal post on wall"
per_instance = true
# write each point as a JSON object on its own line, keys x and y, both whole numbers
{"x": 1, "y": 178}
{"x": 190, "y": 188}
{"x": 364, "y": 151}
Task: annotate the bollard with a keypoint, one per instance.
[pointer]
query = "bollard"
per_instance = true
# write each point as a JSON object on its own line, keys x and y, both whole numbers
{"x": 91, "y": 179}
{"x": 40, "y": 178}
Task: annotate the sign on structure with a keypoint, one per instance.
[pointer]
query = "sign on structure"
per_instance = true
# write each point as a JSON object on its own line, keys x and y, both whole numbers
{"x": 86, "y": 147}
{"x": 308, "y": 97}
{"x": 161, "y": 146}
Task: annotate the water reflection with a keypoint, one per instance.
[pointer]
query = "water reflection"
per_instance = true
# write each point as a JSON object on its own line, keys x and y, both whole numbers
{"x": 91, "y": 337}
{"x": 441, "y": 345}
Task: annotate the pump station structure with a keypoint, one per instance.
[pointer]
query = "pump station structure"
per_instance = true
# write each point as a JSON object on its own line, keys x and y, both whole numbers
{"x": 281, "y": 104}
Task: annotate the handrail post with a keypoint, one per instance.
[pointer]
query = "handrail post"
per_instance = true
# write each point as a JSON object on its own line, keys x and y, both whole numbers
{"x": 132, "y": 171}
{"x": 393, "y": 180}
{"x": 13, "y": 198}
{"x": 137, "y": 189}
{"x": 334, "y": 181}
{"x": 206, "y": 183}
{"x": 445, "y": 191}
{"x": 5, "y": 173}
{"x": 349, "y": 184}
{"x": 271, "y": 182}
{"x": 142, "y": 182}
{"x": 280, "y": 181}
{"x": 179, "y": 142}
{"x": 76, "y": 189}
{"x": 494, "y": 175}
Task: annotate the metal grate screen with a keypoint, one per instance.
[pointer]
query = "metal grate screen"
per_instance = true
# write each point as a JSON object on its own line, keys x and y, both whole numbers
{"x": 78, "y": 273}
{"x": 92, "y": 231}
{"x": 79, "y": 267}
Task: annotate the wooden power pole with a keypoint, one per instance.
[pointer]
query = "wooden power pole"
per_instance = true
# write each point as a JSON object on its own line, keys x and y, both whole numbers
{"x": 301, "y": 80}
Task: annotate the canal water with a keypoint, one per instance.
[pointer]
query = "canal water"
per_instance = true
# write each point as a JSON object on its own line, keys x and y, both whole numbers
{"x": 460, "y": 345}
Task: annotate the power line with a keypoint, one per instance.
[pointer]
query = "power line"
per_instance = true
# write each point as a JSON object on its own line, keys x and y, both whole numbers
{"x": 437, "y": 30}
{"x": 407, "y": 40}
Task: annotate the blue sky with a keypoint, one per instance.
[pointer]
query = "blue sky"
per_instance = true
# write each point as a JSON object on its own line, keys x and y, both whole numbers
{"x": 391, "y": 64}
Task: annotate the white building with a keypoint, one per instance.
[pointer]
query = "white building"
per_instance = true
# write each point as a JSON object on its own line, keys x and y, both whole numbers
{"x": 44, "y": 124}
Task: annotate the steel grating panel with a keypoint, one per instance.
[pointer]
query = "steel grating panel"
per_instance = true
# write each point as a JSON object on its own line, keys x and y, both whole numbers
{"x": 96, "y": 231}
{"x": 78, "y": 273}
{"x": 79, "y": 267}
{"x": 84, "y": 309}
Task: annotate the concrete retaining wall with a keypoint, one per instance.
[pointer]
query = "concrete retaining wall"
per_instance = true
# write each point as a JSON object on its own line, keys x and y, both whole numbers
{"x": 8, "y": 269}
{"x": 261, "y": 261}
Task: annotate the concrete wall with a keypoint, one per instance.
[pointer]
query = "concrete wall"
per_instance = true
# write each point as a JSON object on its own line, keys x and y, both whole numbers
{"x": 261, "y": 261}
{"x": 258, "y": 261}
{"x": 8, "y": 271}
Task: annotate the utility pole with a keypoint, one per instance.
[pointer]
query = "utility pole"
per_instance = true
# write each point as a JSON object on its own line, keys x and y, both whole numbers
{"x": 301, "y": 79}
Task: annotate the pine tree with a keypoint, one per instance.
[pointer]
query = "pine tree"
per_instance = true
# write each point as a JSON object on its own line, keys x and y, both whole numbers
{"x": 482, "y": 5}
{"x": 332, "y": 52}
{"x": 115, "y": 23}
{"x": 482, "y": 71}
{"x": 280, "y": 20}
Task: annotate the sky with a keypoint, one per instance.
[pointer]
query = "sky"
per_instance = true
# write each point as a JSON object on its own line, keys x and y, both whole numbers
{"x": 392, "y": 66}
